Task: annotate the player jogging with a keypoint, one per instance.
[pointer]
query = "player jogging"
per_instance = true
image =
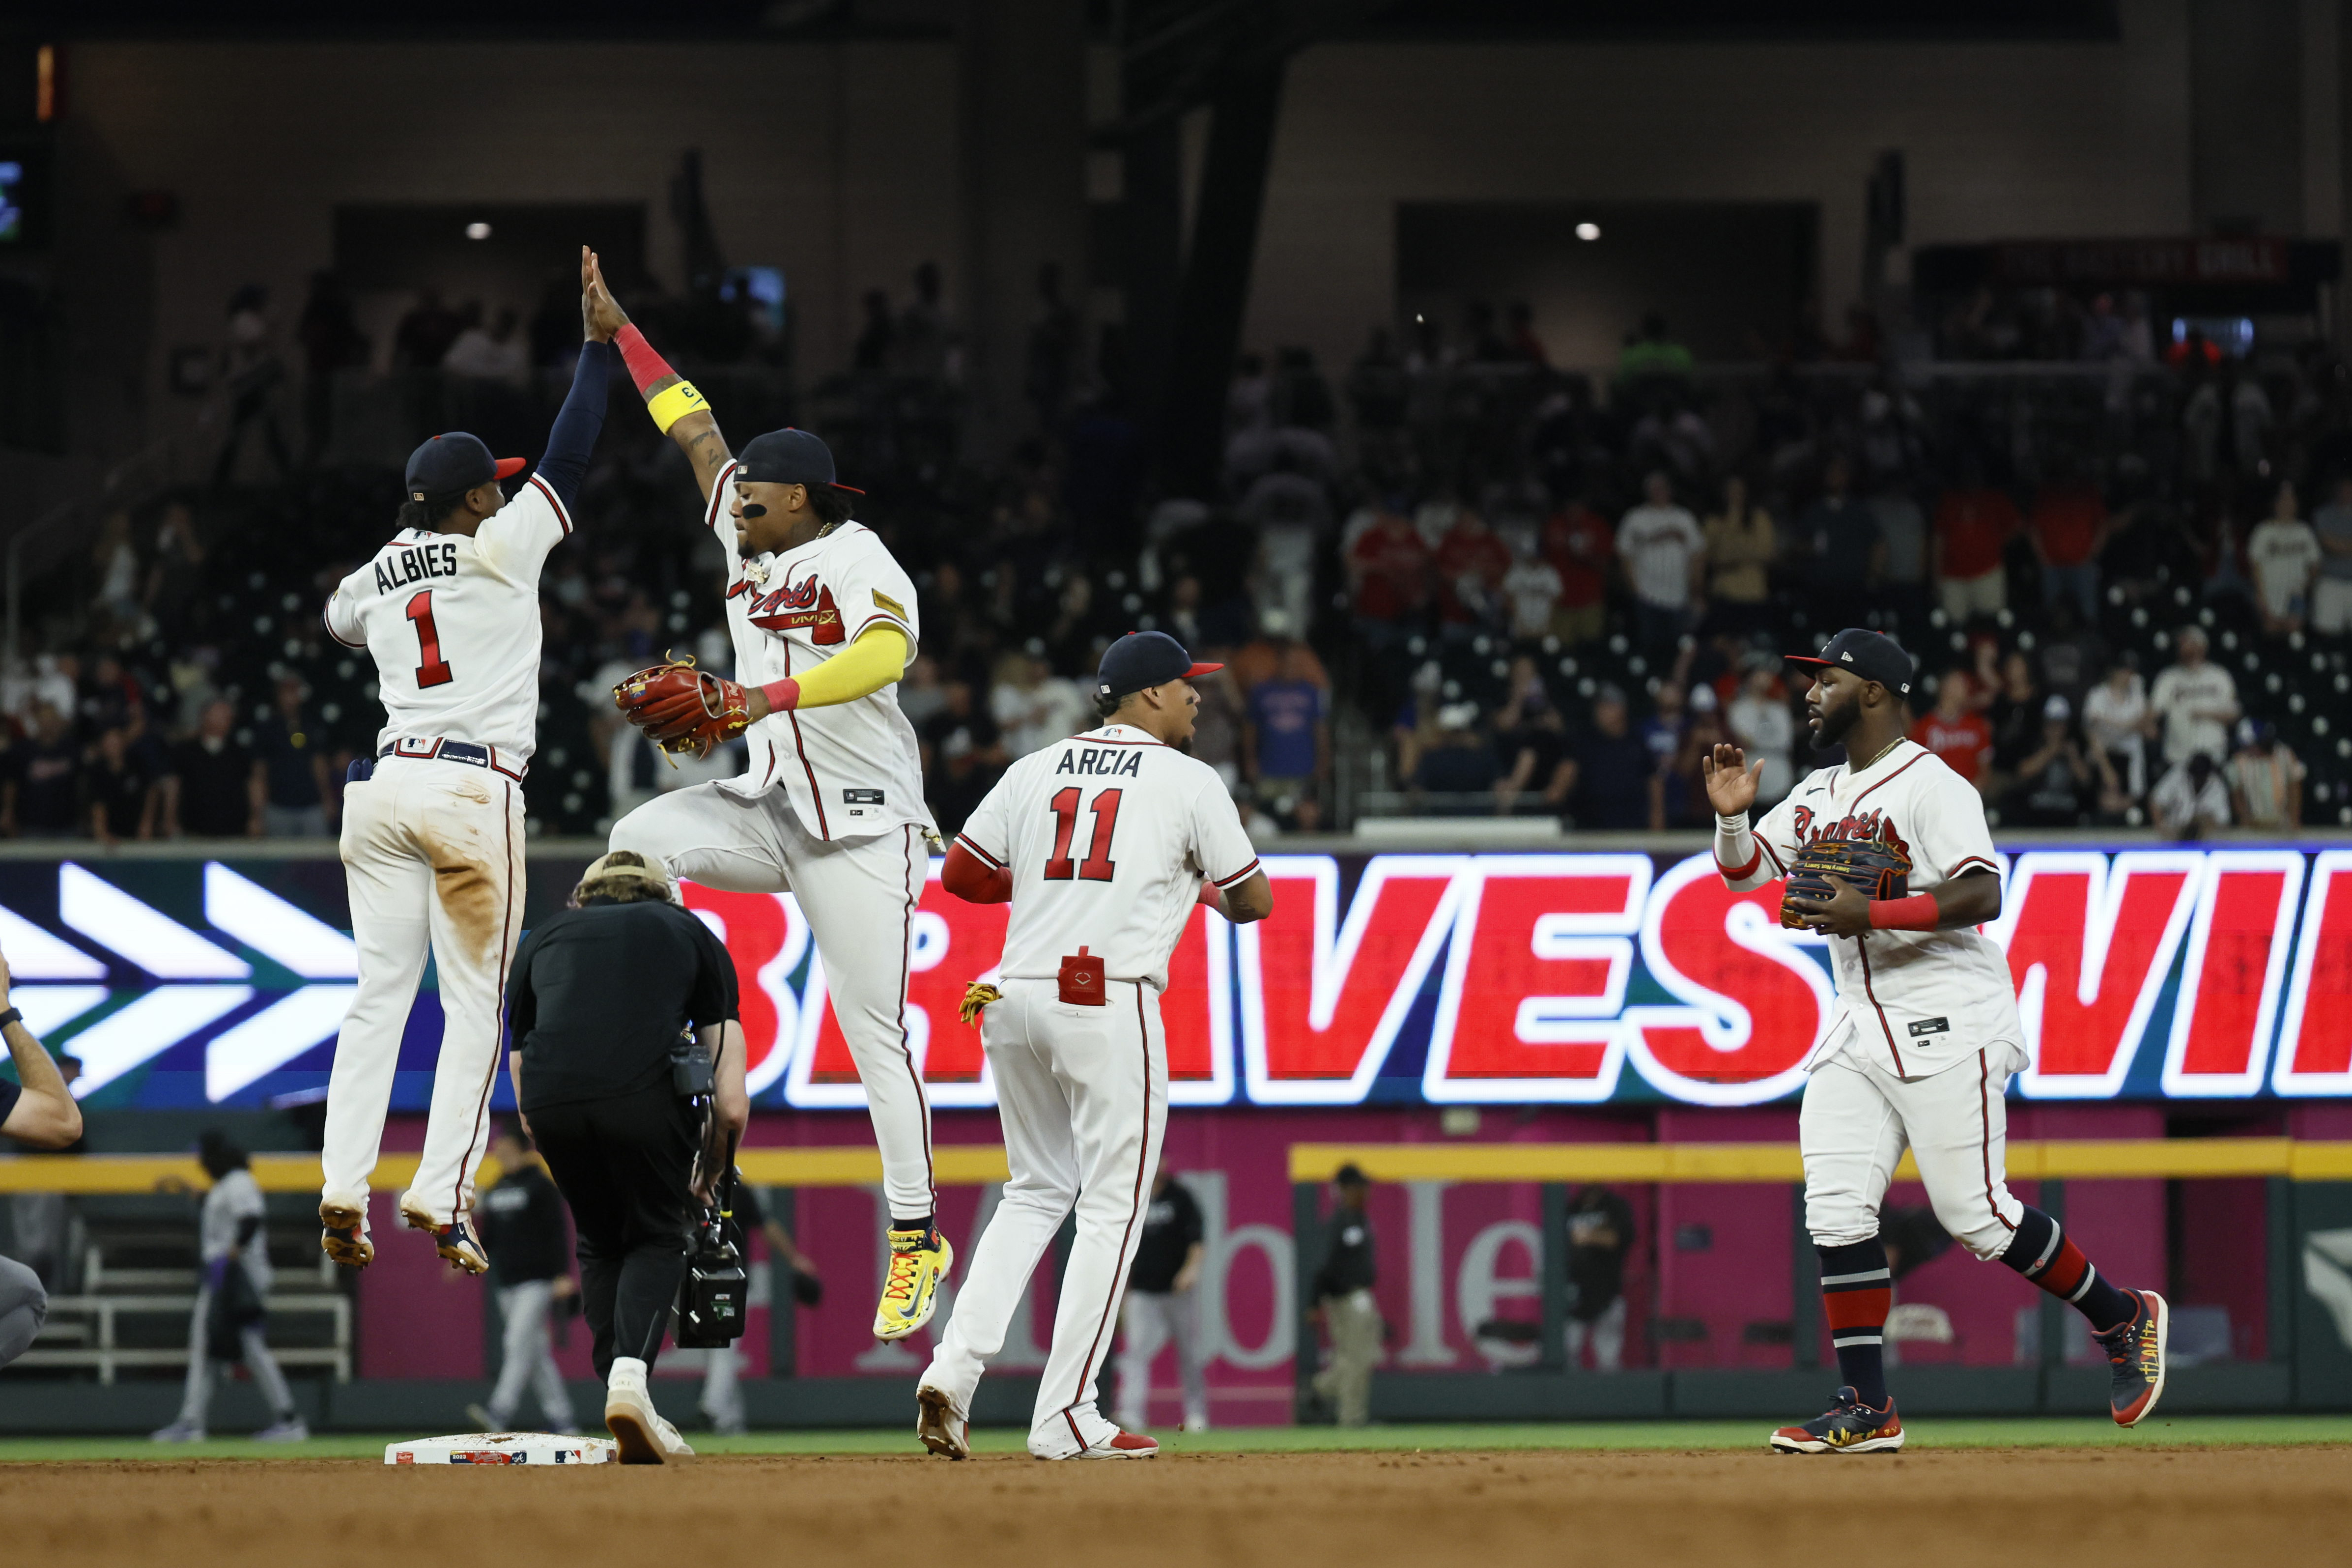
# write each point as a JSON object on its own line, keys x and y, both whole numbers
{"x": 1924, "y": 1039}
{"x": 432, "y": 844}
{"x": 831, "y": 808}
{"x": 1102, "y": 843}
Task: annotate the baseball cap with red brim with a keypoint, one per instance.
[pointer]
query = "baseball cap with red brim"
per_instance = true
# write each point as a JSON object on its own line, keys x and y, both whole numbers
{"x": 1146, "y": 659}
{"x": 452, "y": 464}
{"x": 1873, "y": 655}
{"x": 788, "y": 457}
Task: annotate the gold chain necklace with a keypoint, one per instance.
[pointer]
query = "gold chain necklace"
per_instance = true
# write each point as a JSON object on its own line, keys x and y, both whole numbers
{"x": 1882, "y": 754}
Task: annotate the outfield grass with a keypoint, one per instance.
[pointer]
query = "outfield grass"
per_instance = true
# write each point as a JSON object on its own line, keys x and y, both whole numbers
{"x": 1931, "y": 1433}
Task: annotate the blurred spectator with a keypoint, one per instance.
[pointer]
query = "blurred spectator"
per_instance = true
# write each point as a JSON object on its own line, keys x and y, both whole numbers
{"x": 329, "y": 332}
{"x": 252, "y": 375}
{"x": 176, "y": 578}
{"x": 1741, "y": 546}
{"x": 1762, "y": 726}
{"x": 2016, "y": 717}
{"x": 1956, "y": 732}
{"x": 871, "y": 352}
{"x": 1653, "y": 353}
{"x": 1218, "y": 723}
{"x": 1056, "y": 335}
{"x": 1661, "y": 732}
{"x": 1286, "y": 740}
{"x": 1033, "y": 707}
{"x": 1459, "y": 761}
{"x": 496, "y": 352}
{"x": 1531, "y": 742}
{"x": 1344, "y": 1307}
{"x": 1531, "y": 591}
{"x": 2331, "y": 592}
{"x": 2190, "y": 801}
{"x": 1524, "y": 344}
{"x": 1903, "y": 528}
{"x": 1609, "y": 784}
{"x": 2055, "y": 780}
{"x": 212, "y": 791}
{"x": 2068, "y": 528}
{"x": 125, "y": 794}
{"x": 2195, "y": 700}
{"x": 1974, "y": 523}
{"x": 1389, "y": 568}
{"x": 2118, "y": 723}
{"x": 923, "y": 347}
{"x": 290, "y": 756}
{"x": 1678, "y": 792}
{"x": 2284, "y": 556}
{"x": 41, "y": 789}
{"x": 1471, "y": 565}
{"x": 1414, "y": 729}
{"x": 1580, "y": 545}
{"x": 1600, "y": 1238}
{"x": 114, "y": 562}
{"x": 2072, "y": 655}
{"x": 2265, "y": 779}
{"x": 1841, "y": 555}
{"x": 1665, "y": 560}
{"x": 919, "y": 693}
{"x": 2251, "y": 419}
{"x": 424, "y": 337}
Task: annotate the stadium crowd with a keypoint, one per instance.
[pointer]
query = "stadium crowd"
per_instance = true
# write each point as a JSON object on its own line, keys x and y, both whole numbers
{"x": 1451, "y": 579}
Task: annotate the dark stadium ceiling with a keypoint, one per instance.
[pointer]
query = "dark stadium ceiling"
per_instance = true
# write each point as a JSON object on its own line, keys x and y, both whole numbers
{"x": 1433, "y": 21}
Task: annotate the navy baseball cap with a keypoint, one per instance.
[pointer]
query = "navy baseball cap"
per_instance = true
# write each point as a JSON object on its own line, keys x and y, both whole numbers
{"x": 788, "y": 457}
{"x": 455, "y": 463}
{"x": 1145, "y": 658}
{"x": 1874, "y": 656}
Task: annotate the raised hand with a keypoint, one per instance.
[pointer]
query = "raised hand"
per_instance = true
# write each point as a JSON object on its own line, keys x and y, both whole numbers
{"x": 1730, "y": 779}
{"x": 601, "y": 316}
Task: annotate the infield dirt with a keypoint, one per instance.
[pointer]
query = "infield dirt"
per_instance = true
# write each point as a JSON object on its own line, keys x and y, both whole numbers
{"x": 1919, "y": 1510}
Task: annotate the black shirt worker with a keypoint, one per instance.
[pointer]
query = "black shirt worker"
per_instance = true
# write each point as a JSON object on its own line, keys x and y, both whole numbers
{"x": 601, "y": 994}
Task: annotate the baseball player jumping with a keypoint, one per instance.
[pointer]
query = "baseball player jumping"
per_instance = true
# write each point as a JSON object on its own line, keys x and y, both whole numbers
{"x": 1102, "y": 843}
{"x": 1924, "y": 1039}
{"x": 831, "y": 808}
{"x": 432, "y": 843}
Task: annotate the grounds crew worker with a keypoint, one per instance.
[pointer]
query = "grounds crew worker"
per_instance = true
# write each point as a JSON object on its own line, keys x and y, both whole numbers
{"x": 1343, "y": 1301}
{"x": 602, "y": 993}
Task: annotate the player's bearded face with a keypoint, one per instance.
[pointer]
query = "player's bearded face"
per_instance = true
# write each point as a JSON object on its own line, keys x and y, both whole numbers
{"x": 1832, "y": 708}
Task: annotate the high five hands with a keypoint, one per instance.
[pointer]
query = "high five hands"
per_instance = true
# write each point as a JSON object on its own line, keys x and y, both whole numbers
{"x": 1731, "y": 780}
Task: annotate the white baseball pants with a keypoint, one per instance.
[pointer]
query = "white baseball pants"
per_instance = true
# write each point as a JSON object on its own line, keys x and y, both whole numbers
{"x": 433, "y": 858}
{"x": 858, "y": 896}
{"x": 1083, "y": 1096}
{"x": 1858, "y": 1118}
{"x": 527, "y": 1357}
{"x": 1148, "y": 1321}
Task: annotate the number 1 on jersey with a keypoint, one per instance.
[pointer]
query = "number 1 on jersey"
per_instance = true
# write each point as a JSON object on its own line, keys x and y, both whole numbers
{"x": 1097, "y": 866}
{"x": 430, "y": 671}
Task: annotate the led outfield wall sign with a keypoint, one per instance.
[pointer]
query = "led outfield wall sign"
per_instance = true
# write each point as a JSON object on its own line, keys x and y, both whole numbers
{"x": 1565, "y": 978}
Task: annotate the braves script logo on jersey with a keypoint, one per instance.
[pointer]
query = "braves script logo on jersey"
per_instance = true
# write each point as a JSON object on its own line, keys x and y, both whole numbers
{"x": 1866, "y": 825}
{"x": 795, "y": 604}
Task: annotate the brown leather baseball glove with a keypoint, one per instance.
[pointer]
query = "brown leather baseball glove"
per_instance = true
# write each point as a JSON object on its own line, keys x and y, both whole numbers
{"x": 682, "y": 709}
{"x": 1880, "y": 871}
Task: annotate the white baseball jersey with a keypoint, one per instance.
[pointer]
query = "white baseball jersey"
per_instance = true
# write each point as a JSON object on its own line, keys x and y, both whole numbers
{"x": 452, "y": 623}
{"x": 851, "y": 770}
{"x": 1913, "y": 1001}
{"x": 1108, "y": 836}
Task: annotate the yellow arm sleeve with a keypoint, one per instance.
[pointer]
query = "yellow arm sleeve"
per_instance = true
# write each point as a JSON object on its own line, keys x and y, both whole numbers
{"x": 876, "y": 660}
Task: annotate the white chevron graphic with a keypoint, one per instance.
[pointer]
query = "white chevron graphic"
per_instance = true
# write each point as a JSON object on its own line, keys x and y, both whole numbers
{"x": 274, "y": 1037}
{"x": 147, "y": 937}
{"x": 148, "y": 1027}
{"x": 48, "y": 1008}
{"x": 36, "y": 954}
{"x": 276, "y": 929}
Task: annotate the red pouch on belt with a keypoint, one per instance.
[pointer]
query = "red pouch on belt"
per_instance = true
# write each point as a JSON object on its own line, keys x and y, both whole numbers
{"x": 1082, "y": 980}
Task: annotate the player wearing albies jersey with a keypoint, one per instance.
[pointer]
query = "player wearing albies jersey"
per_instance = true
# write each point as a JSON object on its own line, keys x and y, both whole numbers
{"x": 1921, "y": 1046}
{"x": 831, "y": 809}
{"x": 1103, "y": 843}
{"x": 432, "y": 843}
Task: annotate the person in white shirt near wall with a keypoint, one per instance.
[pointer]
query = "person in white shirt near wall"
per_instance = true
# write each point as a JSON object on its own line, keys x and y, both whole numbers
{"x": 2195, "y": 700}
{"x": 1666, "y": 561}
{"x": 1102, "y": 844}
{"x": 2283, "y": 554}
{"x": 1923, "y": 1038}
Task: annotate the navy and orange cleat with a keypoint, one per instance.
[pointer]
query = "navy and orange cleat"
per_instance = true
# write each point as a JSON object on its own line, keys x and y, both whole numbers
{"x": 1849, "y": 1426}
{"x": 454, "y": 1241}
{"x": 2136, "y": 1358}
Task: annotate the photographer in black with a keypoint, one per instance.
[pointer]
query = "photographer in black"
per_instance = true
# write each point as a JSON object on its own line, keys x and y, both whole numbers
{"x": 603, "y": 993}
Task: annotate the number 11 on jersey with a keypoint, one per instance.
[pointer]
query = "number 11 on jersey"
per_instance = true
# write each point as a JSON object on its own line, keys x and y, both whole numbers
{"x": 430, "y": 669}
{"x": 1097, "y": 866}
